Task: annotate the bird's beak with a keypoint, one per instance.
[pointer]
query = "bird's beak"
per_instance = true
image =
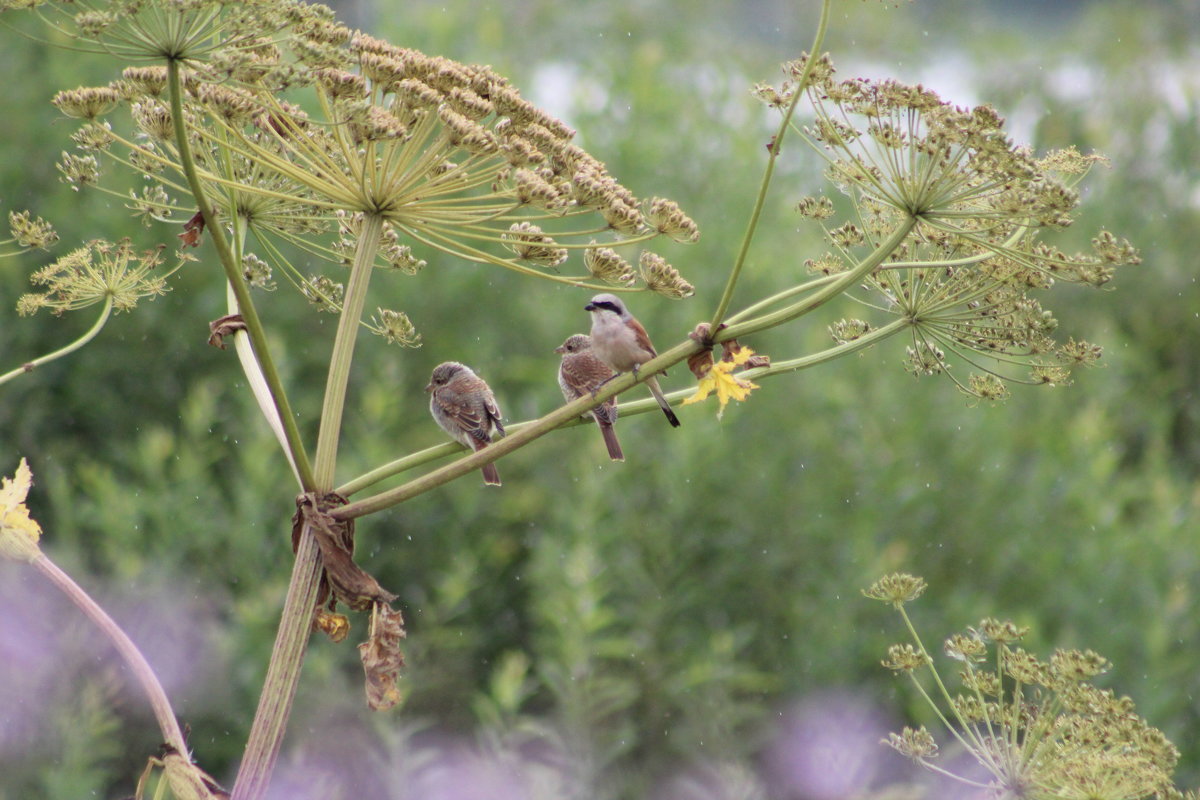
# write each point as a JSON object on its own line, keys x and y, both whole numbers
{"x": 589, "y": 307}
{"x": 429, "y": 387}
{"x": 560, "y": 349}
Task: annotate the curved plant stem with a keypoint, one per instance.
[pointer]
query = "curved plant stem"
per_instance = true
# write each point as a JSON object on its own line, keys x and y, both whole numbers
{"x": 543, "y": 425}
{"x": 128, "y": 651}
{"x": 868, "y": 339}
{"x": 776, "y": 144}
{"x": 254, "y": 326}
{"x": 779, "y": 297}
{"x": 29, "y": 366}
{"x": 825, "y": 293}
{"x": 258, "y": 384}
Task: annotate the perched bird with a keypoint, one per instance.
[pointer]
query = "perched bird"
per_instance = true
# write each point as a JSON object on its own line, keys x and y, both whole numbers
{"x": 581, "y": 373}
{"x": 463, "y": 405}
{"x": 621, "y": 342}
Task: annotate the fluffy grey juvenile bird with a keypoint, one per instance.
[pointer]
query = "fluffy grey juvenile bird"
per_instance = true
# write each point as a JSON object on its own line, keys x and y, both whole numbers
{"x": 581, "y": 373}
{"x": 463, "y": 405}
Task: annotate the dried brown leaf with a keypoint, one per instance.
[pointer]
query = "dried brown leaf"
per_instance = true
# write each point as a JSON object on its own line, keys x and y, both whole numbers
{"x": 381, "y": 657}
{"x": 224, "y": 326}
{"x": 350, "y": 584}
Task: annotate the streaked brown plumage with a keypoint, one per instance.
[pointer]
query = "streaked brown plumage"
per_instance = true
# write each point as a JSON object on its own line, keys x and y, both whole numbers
{"x": 581, "y": 373}
{"x": 463, "y": 406}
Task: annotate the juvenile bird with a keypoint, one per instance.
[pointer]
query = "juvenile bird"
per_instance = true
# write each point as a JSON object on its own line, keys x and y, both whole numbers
{"x": 581, "y": 373}
{"x": 621, "y": 342}
{"x": 463, "y": 405}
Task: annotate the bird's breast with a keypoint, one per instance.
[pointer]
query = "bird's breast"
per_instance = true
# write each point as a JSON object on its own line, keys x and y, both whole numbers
{"x": 615, "y": 344}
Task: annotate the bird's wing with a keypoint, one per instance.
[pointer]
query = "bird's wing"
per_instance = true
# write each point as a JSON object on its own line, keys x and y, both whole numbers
{"x": 468, "y": 417}
{"x": 493, "y": 412}
{"x": 641, "y": 337}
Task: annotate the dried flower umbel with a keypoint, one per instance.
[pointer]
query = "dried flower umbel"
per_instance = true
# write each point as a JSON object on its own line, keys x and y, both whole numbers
{"x": 27, "y": 234}
{"x": 448, "y": 155}
{"x": 100, "y": 272}
{"x": 966, "y": 276}
{"x": 395, "y": 327}
{"x": 1038, "y": 727}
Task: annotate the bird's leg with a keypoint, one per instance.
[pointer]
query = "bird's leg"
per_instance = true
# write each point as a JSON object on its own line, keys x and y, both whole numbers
{"x": 598, "y": 386}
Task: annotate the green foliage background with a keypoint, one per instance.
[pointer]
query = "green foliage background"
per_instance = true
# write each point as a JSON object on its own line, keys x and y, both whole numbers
{"x": 661, "y": 612}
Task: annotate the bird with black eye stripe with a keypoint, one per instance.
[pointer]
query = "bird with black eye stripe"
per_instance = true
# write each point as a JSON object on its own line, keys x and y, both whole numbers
{"x": 621, "y": 342}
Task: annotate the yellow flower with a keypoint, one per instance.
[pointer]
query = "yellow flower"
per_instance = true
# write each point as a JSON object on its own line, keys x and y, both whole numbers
{"x": 335, "y": 626}
{"x": 720, "y": 379}
{"x": 19, "y": 533}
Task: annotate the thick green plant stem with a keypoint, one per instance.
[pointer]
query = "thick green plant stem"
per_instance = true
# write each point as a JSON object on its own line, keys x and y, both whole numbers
{"x": 29, "y": 366}
{"x": 869, "y": 339}
{"x": 283, "y": 674}
{"x": 254, "y": 326}
{"x": 343, "y": 350}
{"x": 773, "y": 155}
{"x": 295, "y": 624}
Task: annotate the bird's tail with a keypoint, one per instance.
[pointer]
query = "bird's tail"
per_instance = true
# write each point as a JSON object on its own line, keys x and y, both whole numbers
{"x": 662, "y": 402}
{"x": 610, "y": 441}
{"x": 491, "y": 476}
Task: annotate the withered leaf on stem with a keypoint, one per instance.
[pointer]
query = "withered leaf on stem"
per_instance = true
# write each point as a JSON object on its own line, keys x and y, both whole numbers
{"x": 350, "y": 584}
{"x": 224, "y": 326}
{"x": 757, "y": 360}
{"x": 700, "y": 363}
{"x": 193, "y": 229}
{"x": 381, "y": 657}
{"x": 731, "y": 348}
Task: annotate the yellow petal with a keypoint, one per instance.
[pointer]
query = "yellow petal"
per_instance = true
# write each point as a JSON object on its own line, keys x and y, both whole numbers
{"x": 729, "y": 387}
{"x": 13, "y": 490}
{"x": 742, "y": 356}
{"x": 19, "y": 532}
{"x": 720, "y": 380}
{"x": 703, "y": 389}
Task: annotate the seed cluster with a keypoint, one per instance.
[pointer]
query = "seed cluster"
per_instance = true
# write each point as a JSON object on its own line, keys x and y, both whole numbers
{"x": 966, "y": 277}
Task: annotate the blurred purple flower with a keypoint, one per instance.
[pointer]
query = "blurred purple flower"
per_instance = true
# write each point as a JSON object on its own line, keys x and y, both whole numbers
{"x": 31, "y": 656}
{"x": 728, "y": 780}
{"x": 460, "y": 772}
{"x": 827, "y": 747}
{"x": 343, "y": 756}
{"x": 174, "y": 622}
